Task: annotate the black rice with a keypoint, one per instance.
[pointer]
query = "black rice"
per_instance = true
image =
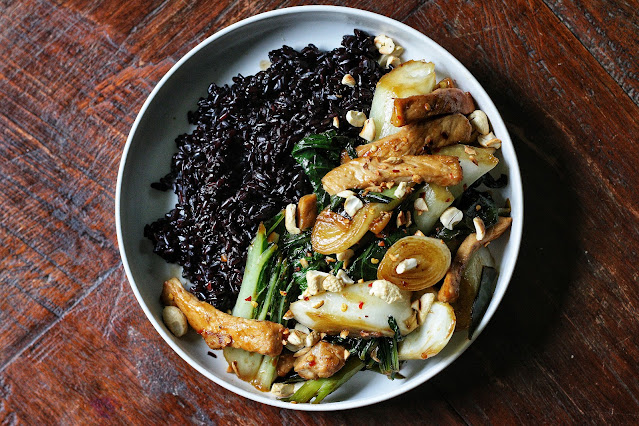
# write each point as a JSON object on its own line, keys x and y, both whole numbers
{"x": 235, "y": 170}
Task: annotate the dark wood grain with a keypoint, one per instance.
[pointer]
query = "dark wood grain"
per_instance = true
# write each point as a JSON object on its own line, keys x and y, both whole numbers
{"x": 609, "y": 30}
{"x": 76, "y": 347}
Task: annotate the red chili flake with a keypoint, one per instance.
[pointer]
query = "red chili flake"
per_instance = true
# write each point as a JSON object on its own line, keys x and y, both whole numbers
{"x": 370, "y": 285}
{"x": 306, "y": 298}
{"x": 447, "y": 199}
{"x": 365, "y": 316}
{"x": 248, "y": 299}
{"x": 381, "y": 244}
{"x": 361, "y": 304}
{"x": 312, "y": 363}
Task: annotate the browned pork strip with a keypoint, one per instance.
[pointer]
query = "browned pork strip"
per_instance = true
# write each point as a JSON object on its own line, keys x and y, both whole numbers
{"x": 221, "y": 330}
{"x": 411, "y": 139}
{"x": 441, "y": 101}
{"x": 322, "y": 361}
{"x": 369, "y": 172}
{"x": 449, "y": 292}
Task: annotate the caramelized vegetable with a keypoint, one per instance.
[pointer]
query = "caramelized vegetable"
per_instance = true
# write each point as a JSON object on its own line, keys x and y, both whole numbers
{"x": 356, "y": 310}
{"x": 333, "y": 233}
{"x": 408, "y": 79}
{"x": 449, "y": 292}
{"x": 433, "y": 260}
{"x": 442, "y": 101}
{"x": 432, "y": 336}
{"x": 470, "y": 285}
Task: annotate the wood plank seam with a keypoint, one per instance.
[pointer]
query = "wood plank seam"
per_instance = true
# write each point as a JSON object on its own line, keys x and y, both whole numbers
{"x": 57, "y": 320}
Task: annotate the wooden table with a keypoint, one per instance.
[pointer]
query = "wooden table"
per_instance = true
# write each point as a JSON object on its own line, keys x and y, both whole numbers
{"x": 76, "y": 347}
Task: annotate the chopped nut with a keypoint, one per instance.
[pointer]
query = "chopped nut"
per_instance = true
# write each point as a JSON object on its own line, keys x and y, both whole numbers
{"x": 333, "y": 284}
{"x": 265, "y": 64}
{"x": 348, "y": 80}
{"x": 393, "y": 257}
{"x": 254, "y": 303}
{"x": 489, "y": 141}
{"x": 314, "y": 281}
{"x": 312, "y": 338}
{"x": 283, "y": 293}
{"x": 288, "y": 315}
{"x": 401, "y": 190}
{"x": 235, "y": 369}
{"x": 304, "y": 262}
{"x": 368, "y": 131}
{"x": 345, "y": 255}
{"x": 469, "y": 150}
{"x": 175, "y": 320}
{"x": 344, "y": 307}
{"x": 304, "y": 329}
{"x": 386, "y": 290}
{"x": 446, "y": 83}
{"x": 417, "y": 178}
{"x": 451, "y": 217}
{"x": 344, "y": 334}
{"x": 290, "y": 220}
{"x": 374, "y": 261}
{"x": 420, "y": 205}
{"x": 346, "y": 354}
{"x": 419, "y": 233}
{"x": 329, "y": 259}
{"x": 352, "y": 205}
{"x": 319, "y": 304}
{"x": 283, "y": 390}
{"x": 479, "y": 121}
{"x": 296, "y": 338}
{"x": 336, "y": 122}
{"x": 385, "y": 45}
{"x": 355, "y": 118}
{"x": 343, "y": 276}
{"x": 406, "y": 265}
{"x": 480, "y": 228}
{"x": 390, "y": 60}
{"x": 473, "y": 160}
{"x": 346, "y": 193}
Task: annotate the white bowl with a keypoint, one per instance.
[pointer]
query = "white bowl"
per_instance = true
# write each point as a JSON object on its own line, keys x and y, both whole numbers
{"x": 150, "y": 145}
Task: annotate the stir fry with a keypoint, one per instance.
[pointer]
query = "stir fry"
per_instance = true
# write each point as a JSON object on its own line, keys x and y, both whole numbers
{"x": 383, "y": 261}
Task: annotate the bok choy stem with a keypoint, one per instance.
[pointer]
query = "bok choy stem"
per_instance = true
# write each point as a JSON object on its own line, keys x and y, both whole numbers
{"x": 321, "y": 388}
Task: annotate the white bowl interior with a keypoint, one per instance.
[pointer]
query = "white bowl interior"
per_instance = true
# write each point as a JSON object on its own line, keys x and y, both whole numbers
{"x": 147, "y": 156}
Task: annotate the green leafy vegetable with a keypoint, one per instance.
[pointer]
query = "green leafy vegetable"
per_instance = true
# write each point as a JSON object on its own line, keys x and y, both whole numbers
{"x": 319, "y": 154}
{"x": 491, "y": 182}
{"x": 487, "y": 286}
{"x": 362, "y": 267}
{"x": 387, "y": 351}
